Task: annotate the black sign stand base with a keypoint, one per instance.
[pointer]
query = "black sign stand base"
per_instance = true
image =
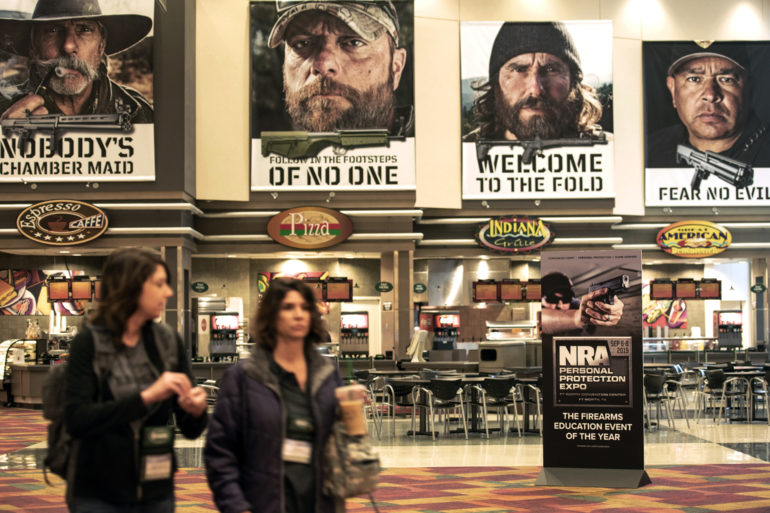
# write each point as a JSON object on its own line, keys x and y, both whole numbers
{"x": 595, "y": 477}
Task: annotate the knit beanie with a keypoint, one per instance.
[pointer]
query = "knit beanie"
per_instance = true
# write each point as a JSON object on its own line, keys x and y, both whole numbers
{"x": 519, "y": 38}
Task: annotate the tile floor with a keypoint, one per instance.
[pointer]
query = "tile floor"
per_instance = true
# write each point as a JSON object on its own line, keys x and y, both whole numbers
{"x": 702, "y": 443}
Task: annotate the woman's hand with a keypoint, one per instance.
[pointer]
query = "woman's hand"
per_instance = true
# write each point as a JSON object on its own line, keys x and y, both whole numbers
{"x": 194, "y": 402}
{"x": 168, "y": 384}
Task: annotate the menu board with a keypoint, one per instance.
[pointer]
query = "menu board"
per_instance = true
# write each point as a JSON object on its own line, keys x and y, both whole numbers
{"x": 533, "y": 291}
{"x": 685, "y": 289}
{"x": 710, "y": 289}
{"x": 661, "y": 289}
{"x": 510, "y": 290}
{"x": 484, "y": 291}
{"x": 81, "y": 290}
{"x": 339, "y": 290}
{"x": 58, "y": 290}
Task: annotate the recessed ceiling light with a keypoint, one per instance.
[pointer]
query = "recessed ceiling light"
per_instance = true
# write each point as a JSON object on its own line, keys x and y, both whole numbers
{"x": 64, "y": 251}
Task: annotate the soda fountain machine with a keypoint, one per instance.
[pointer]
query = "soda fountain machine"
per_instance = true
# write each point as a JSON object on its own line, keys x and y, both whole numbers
{"x": 728, "y": 328}
{"x": 354, "y": 333}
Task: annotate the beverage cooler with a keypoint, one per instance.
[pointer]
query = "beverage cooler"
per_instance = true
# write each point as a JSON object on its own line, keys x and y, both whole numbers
{"x": 728, "y": 328}
{"x": 354, "y": 333}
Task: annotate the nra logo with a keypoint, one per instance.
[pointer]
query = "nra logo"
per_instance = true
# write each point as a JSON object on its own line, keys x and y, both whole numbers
{"x": 309, "y": 227}
{"x": 583, "y": 355}
{"x": 62, "y": 222}
{"x": 694, "y": 239}
{"x": 514, "y": 234}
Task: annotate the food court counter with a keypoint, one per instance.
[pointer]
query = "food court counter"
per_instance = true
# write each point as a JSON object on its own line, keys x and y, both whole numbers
{"x": 27, "y": 383}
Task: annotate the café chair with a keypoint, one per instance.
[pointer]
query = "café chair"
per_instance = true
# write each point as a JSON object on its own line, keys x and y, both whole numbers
{"x": 674, "y": 390}
{"x": 759, "y": 386}
{"x": 721, "y": 393}
{"x": 439, "y": 396}
{"x": 401, "y": 393}
{"x": 532, "y": 395}
{"x": 655, "y": 393}
{"x": 501, "y": 394}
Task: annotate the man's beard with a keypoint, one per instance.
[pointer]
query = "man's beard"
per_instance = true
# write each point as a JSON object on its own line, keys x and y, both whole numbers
{"x": 558, "y": 120}
{"x": 369, "y": 109}
{"x": 68, "y": 84}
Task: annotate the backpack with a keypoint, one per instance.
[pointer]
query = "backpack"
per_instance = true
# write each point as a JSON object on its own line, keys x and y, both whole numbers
{"x": 350, "y": 465}
{"x": 61, "y": 446}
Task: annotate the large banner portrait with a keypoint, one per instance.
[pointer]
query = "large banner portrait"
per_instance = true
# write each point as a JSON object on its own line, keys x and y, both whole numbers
{"x": 76, "y": 91}
{"x": 332, "y": 95}
{"x": 537, "y": 110}
{"x": 706, "y": 111}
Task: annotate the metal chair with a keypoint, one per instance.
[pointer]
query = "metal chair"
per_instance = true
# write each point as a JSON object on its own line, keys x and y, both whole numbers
{"x": 531, "y": 395}
{"x": 722, "y": 394}
{"x": 655, "y": 393}
{"x": 501, "y": 394}
{"x": 759, "y": 391}
{"x": 673, "y": 389}
{"x": 440, "y": 395}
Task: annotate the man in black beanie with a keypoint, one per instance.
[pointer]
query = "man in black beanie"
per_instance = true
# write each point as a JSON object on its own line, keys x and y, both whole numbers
{"x": 534, "y": 88}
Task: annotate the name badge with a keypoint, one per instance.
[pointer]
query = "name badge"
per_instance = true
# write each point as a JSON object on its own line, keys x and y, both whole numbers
{"x": 156, "y": 467}
{"x": 297, "y": 451}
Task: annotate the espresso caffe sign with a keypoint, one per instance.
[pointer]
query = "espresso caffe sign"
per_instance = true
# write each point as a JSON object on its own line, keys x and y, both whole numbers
{"x": 309, "y": 227}
{"x": 694, "y": 239}
{"x": 514, "y": 234}
{"x": 62, "y": 222}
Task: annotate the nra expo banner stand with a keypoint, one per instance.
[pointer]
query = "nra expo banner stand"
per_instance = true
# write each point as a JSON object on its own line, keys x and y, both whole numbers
{"x": 593, "y": 431}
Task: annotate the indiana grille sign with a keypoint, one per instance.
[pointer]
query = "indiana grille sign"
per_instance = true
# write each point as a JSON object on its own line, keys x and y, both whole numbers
{"x": 62, "y": 222}
{"x": 309, "y": 227}
{"x": 514, "y": 234}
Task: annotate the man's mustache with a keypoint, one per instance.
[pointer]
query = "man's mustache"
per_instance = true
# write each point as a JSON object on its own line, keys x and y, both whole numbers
{"x": 531, "y": 102}
{"x": 69, "y": 62}
{"x": 328, "y": 86}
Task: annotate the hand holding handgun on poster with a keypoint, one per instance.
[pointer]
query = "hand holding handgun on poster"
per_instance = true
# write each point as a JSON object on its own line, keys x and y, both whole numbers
{"x": 602, "y": 305}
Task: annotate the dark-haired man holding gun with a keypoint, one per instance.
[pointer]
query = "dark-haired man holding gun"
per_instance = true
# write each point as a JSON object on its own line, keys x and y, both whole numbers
{"x": 709, "y": 90}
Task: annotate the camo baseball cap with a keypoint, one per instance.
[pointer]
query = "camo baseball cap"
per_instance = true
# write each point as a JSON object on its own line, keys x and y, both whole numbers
{"x": 368, "y": 18}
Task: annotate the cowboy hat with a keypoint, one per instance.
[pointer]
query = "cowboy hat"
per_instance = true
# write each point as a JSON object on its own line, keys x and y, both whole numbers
{"x": 123, "y": 30}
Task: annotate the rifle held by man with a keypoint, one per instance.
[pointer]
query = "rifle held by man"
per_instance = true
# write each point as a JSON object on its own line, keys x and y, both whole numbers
{"x": 536, "y": 146}
{"x": 298, "y": 145}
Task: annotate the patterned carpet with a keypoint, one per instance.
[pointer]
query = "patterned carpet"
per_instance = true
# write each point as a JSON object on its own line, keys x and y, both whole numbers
{"x": 741, "y": 488}
{"x": 680, "y": 489}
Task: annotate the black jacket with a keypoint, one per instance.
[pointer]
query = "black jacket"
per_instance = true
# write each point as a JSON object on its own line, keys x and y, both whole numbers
{"x": 243, "y": 447}
{"x": 107, "y": 467}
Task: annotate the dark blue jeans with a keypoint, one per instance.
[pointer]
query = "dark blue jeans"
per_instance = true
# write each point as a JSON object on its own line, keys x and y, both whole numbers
{"x": 92, "y": 505}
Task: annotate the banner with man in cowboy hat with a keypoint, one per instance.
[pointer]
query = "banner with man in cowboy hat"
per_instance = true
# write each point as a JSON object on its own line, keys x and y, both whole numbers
{"x": 76, "y": 91}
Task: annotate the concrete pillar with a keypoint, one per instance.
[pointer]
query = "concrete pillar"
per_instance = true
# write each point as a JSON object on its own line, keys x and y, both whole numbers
{"x": 403, "y": 304}
{"x": 389, "y": 325}
{"x": 178, "y": 313}
{"x": 759, "y": 275}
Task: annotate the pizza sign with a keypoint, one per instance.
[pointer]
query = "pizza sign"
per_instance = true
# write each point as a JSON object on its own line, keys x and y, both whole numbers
{"x": 309, "y": 227}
